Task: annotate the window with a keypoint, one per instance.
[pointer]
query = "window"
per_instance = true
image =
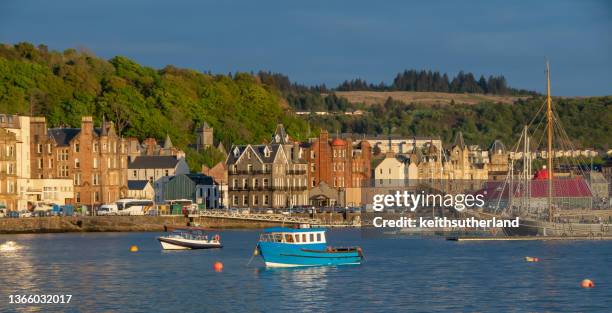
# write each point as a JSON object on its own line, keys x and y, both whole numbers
{"x": 77, "y": 179}
{"x": 312, "y": 154}
{"x": 77, "y": 147}
{"x": 49, "y": 148}
{"x": 235, "y": 200}
{"x": 255, "y": 200}
{"x": 266, "y": 200}
{"x": 134, "y": 173}
{"x": 318, "y": 237}
{"x": 234, "y": 168}
{"x": 304, "y": 239}
{"x": 39, "y": 148}
{"x": 96, "y": 196}
{"x": 50, "y": 163}
{"x": 95, "y": 147}
{"x": 95, "y": 178}
{"x": 167, "y": 172}
{"x": 95, "y": 163}
{"x": 77, "y": 164}
{"x": 63, "y": 171}
{"x": 265, "y": 182}
{"x": 78, "y": 197}
{"x": 245, "y": 200}
{"x": 249, "y": 168}
{"x": 297, "y": 237}
{"x": 40, "y": 163}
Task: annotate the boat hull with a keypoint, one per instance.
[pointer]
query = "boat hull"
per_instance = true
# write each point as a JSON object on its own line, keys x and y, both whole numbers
{"x": 292, "y": 255}
{"x": 187, "y": 244}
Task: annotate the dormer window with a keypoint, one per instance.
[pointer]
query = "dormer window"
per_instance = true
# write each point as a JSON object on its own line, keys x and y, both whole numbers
{"x": 277, "y": 138}
{"x": 267, "y": 152}
{"x": 236, "y": 152}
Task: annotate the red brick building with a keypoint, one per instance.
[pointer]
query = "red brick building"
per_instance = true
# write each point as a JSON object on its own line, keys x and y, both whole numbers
{"x": 94, "y": 158}
{"x": 340, "y": 163}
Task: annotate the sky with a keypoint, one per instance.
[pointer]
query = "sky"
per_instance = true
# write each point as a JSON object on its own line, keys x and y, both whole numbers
{"x": 316, "y": 42}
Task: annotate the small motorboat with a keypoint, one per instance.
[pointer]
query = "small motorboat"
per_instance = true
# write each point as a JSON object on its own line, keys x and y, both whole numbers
{"x": 288, "y": 247}
{"x": 187, "y": 239}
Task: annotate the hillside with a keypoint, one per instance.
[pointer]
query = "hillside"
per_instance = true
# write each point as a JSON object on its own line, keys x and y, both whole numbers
{"x": 430, "y": 98}
{"x": 144, "y": 102}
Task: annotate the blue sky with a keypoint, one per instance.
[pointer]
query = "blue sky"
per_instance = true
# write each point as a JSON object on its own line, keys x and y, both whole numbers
{"x": 330, "y": 41}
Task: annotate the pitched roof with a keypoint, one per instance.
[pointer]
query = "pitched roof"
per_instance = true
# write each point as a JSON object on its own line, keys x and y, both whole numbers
{"x": 280, "y": 135}
{"x": 167, "y": 142}
{"x": 154, "y": 161}
{"x": 200, "y": 179}
{"x": 137, "y": 184}
{"x": 459, "y": 140}
{"x": 63, "y": 136}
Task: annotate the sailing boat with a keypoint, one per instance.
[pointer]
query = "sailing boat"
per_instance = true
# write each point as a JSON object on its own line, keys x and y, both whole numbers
{"x": 551, "y": 221}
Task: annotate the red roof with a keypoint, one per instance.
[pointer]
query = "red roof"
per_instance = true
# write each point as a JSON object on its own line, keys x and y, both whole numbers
{"x": 338, "y": 142}
{"x": 575, "y": 187}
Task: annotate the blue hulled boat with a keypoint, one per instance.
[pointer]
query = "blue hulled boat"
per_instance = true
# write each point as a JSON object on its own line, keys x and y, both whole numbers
{"x": 288, "y": 247}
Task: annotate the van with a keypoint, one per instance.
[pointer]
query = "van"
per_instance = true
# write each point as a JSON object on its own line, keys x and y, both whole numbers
{"x": 108, "y": 209}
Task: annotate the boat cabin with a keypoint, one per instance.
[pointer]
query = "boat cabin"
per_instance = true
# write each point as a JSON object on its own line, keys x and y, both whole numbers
{"x": 294, "y": 236}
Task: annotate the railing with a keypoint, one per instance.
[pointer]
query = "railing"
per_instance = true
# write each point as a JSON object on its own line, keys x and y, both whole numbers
{"x": 251, "y": 172}
{"x": 279, "y": 218}
{"x": 268, "y": 188}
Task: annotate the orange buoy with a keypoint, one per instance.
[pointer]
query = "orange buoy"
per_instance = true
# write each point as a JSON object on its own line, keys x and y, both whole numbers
{"x": 134, "y": 248}
{"x": 587, "y": 283}
{"x": 531, "y": 259}
{"x": 218, "y": 266}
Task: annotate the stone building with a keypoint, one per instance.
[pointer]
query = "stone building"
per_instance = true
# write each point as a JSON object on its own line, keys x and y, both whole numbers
{"x": 340, "y": 163}
{"x": 271, "y": 175}
{"x": 150, "y": 147}
{"x": 462, "y": 166}
{"x": 94, "y": 158}
{"x": 8, "y": 170}
{"x": 205, "y": 137}
{"x": 498, "y": 161}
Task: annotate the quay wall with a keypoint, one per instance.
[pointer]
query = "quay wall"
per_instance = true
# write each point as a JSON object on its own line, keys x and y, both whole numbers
{"x": 116, "y": 224}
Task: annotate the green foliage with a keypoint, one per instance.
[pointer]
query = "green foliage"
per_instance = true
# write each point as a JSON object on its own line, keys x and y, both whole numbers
{"x": 209, "y": 157}
{"x": 142, "y": 101}
{"x": 587, "y": 121}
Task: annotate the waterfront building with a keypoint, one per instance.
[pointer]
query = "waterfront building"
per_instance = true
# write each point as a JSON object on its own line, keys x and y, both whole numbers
{"x": 20, "y": 126}
{"x": 498, "y": 161}
{"x": 381, "y": 144}
{"x": 46, "y": 192}
{"x": 94, "y": 158}
{"x": 219, "y": 174}
{"x": 199, "y": 188}
{"x": 157, "y": 170}
{"x": 140, "y": 189}
{"x": 270, "y": 175}
{"x": 8, "y": 170}
{"x": 465, "y": 163}
{"x": 150, "y": 147}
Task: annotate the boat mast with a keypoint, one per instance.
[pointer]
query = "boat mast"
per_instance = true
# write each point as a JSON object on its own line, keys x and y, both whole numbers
{"x": 549, "y": 120}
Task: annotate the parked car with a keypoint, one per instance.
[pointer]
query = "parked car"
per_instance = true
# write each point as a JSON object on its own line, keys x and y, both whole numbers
{"x": 153, "y": 212}
{"x": 25, "y": 213}
{"x": 2, "y": 212}
{"x": 12, "y": 214}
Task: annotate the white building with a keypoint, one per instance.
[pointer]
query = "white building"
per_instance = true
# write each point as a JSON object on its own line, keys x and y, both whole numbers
{"x": 157, "y": 170}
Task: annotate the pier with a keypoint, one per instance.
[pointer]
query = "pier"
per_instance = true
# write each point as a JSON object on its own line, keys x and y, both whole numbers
{"x": 528, "y": 238}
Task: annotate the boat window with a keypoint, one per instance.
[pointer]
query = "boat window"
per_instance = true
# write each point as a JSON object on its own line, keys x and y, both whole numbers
{"x": 318, "y": 237}
{"x": 278, "y": 237}
{"x": 297, "y": 237}
{"x": 288, "y": 238}
{"x": 311, "y": 237}
{"x": 304, "y": 238}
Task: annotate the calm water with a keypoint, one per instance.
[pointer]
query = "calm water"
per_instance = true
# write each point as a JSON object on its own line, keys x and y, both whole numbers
{"x": 400, "y": 274}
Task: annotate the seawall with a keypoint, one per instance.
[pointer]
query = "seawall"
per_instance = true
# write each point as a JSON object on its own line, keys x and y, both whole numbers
{"x": 116, "y": 224}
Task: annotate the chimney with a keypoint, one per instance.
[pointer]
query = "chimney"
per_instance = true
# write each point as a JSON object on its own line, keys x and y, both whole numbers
{"x": 87, "y": 125}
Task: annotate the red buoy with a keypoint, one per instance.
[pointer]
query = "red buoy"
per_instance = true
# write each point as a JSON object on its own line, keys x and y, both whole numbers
{"x": 218, "y": 266}
{"x": 587, "y": 283}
